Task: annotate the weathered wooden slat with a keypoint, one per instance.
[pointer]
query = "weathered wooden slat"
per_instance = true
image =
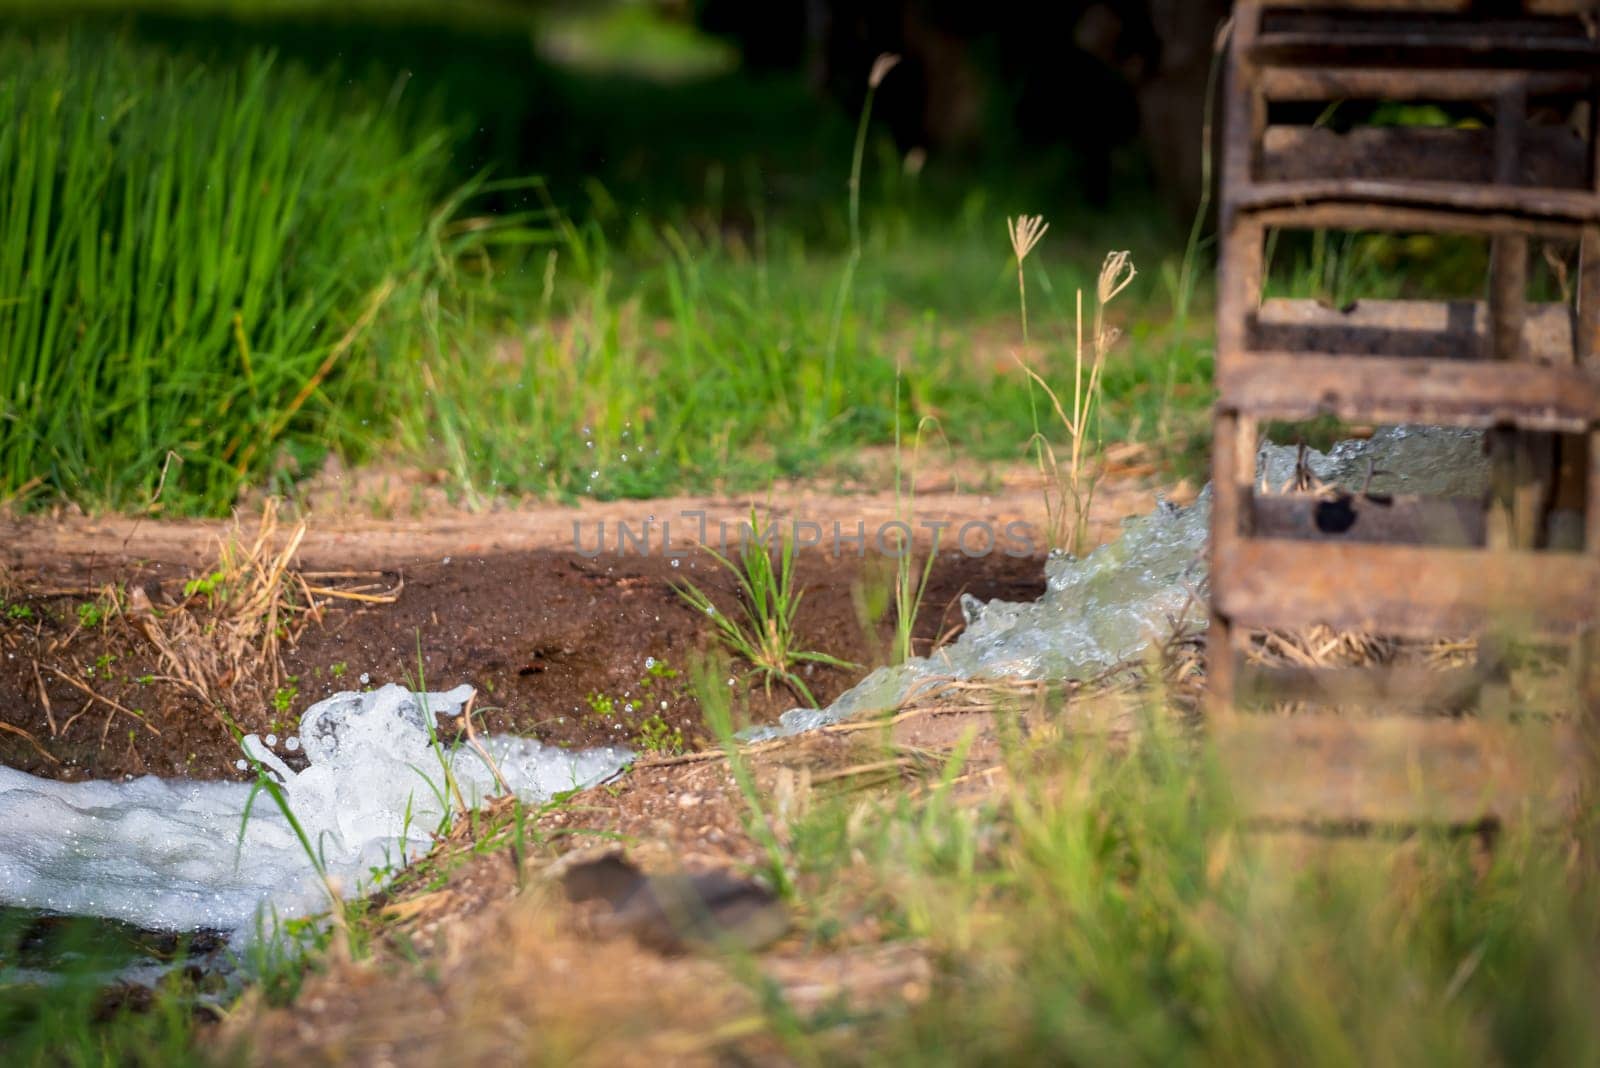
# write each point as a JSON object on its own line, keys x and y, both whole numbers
{"x": 1462, "y": 202}
{"x": 1302, "y": 849}
{"x": 1437, "y": 7}
{"x": 1402, "y": 688}
{"x": 1426, "y": 329}
{"x": 1390, "y": 218}
{"x": 1457, "y": 522}
{"x": 1421, "y": 40}
{"x": 1551, "y": 157}
{"x": 1312, "y": 84}
{"x": 1402, "y": 590}
{"x": 1310, "y": 770}
{"x": 1384, "y": 389}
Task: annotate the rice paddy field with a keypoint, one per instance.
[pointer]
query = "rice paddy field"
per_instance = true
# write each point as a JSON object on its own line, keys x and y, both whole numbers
{"x": 373, "y": 342}
{"x": 425, "y": 250}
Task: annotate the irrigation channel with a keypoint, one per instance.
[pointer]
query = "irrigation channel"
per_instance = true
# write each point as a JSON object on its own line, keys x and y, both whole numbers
{"x": 237, "y": 859}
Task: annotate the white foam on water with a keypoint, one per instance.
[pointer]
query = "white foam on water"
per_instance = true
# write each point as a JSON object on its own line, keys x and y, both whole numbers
{"x": 180, "y": 855}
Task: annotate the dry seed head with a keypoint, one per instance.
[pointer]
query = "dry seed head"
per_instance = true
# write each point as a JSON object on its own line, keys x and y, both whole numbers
{"x": 1115, "y": 274}
{"x": 881, "y": 67}
{"x": 1026, "y": 232}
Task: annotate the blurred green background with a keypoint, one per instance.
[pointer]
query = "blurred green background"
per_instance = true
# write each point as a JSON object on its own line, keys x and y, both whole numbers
{"x": 566, "y": 248}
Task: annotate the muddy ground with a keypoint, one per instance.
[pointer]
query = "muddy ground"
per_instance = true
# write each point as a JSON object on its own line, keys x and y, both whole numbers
{"x": 543, "y": 635}
{"x": 516, "y": 602}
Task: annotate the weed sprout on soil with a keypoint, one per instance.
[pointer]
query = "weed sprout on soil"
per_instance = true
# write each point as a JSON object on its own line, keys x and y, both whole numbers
{"x": 763, "y": 630}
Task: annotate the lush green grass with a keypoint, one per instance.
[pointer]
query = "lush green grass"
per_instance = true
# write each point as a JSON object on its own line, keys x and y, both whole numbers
{"x": 72, "y": 1018}
{"x": 1111, "y": 910}
{"x": 663, "y": 337}
{"x": 691, "y": 360}
{"x": 193, "y": 261}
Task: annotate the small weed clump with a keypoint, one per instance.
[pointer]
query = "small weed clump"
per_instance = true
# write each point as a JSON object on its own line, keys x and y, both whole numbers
{"x": 656, "y": 736}
{"x": 762, "y": 633}
{"x": 90, "y": 615}
{"x": 654, "y": 733}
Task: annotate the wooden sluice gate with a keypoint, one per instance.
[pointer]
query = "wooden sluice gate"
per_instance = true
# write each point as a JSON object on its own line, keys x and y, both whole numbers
{"x": 1514, "y": 165}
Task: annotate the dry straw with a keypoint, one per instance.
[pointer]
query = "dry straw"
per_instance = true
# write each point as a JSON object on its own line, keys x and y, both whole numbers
{"x": 881, "y": 67}
{"x": 1026, "y": 231}
{"x": 224, "y": 641}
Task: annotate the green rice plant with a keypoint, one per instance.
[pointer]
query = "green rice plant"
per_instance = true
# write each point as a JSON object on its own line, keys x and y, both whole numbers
{"x": 909, "y": 583}
{"x": 763, "y": 632}
{"x": 191, "y": 260}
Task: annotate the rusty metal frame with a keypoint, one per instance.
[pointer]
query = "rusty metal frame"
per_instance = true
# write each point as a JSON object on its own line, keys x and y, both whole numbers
{"x": 1527, "y": 373}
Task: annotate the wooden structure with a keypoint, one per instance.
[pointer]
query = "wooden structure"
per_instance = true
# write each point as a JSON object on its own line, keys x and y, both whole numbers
{"x": 1526, "y": 560}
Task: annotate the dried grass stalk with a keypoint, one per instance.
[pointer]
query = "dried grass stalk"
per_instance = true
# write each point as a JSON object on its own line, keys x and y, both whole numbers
{"x": 225, "y": 640}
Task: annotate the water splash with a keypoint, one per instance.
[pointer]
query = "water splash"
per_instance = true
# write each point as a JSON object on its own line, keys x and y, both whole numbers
{"x": 1096, "y": 612}
{"x": 1433, "y": 460}
{"x": 178, "y": 855}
